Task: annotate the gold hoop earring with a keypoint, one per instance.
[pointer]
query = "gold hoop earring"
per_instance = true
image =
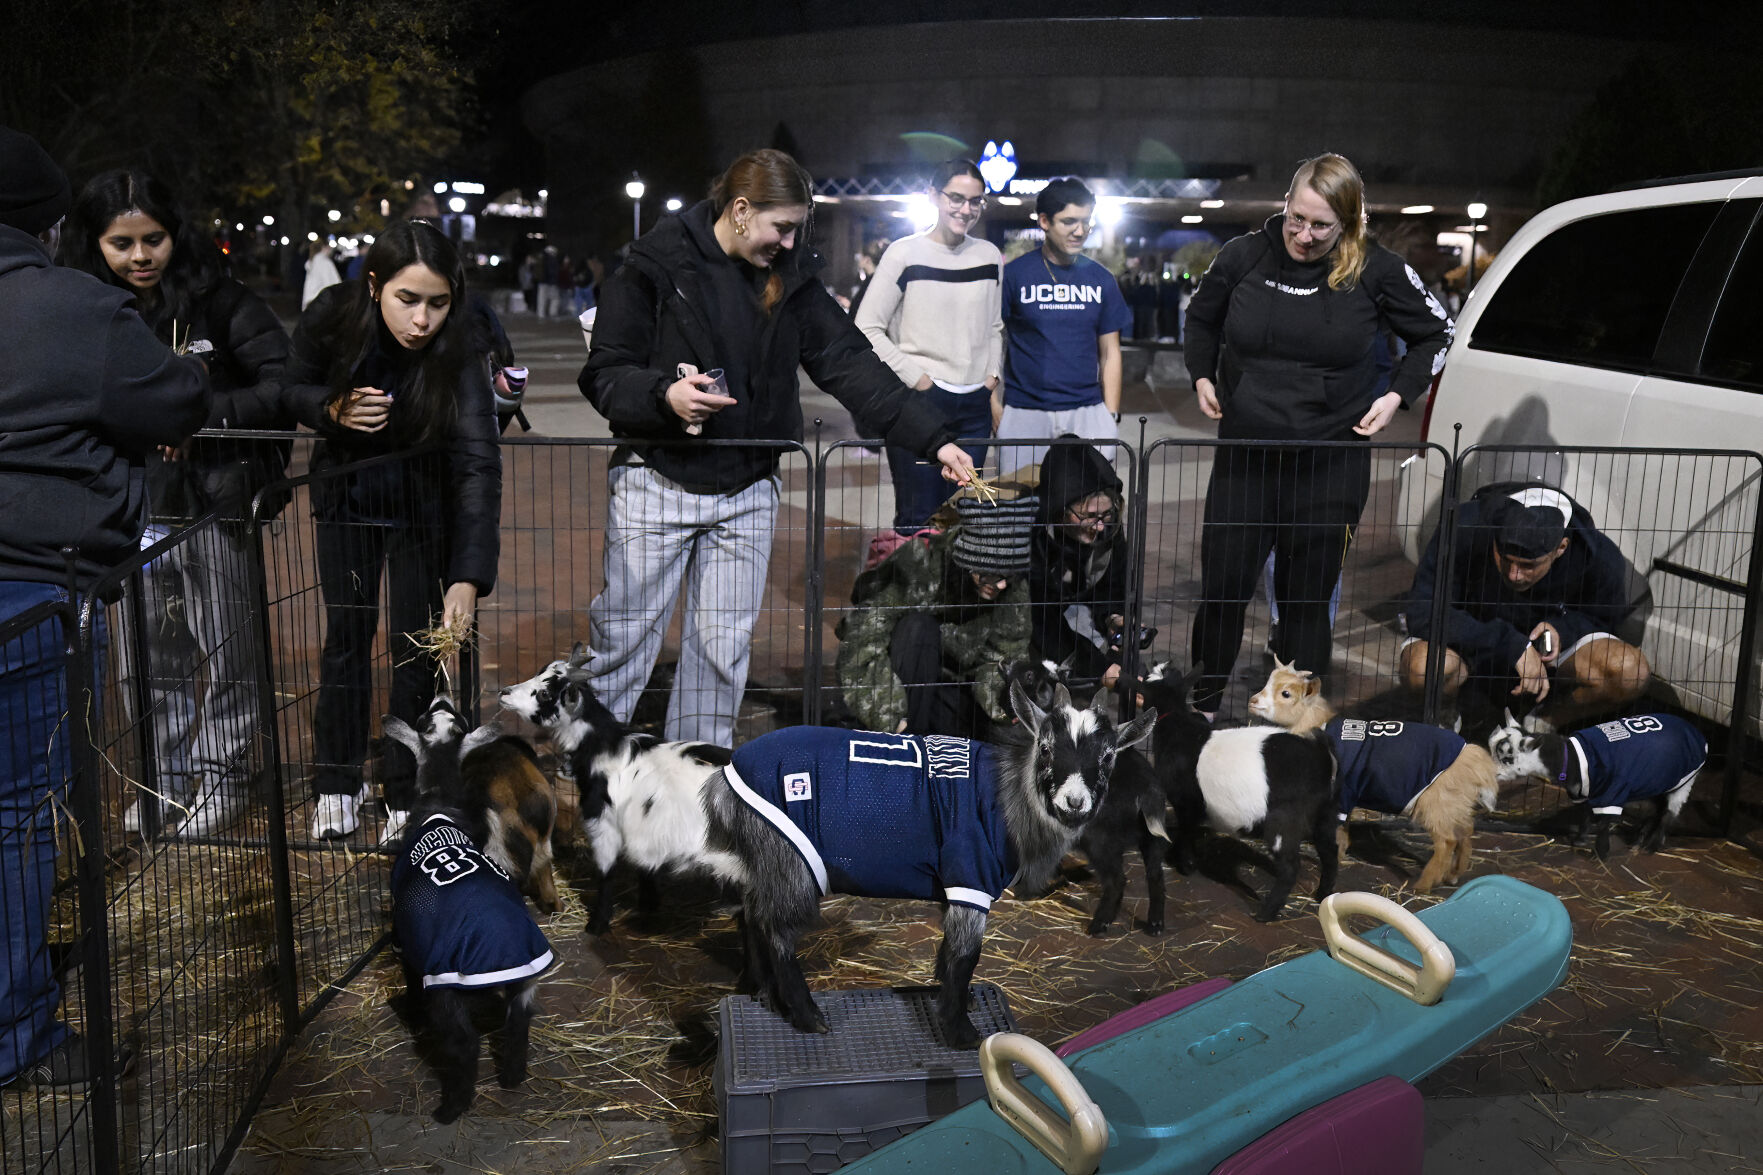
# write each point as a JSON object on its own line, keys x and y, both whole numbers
{"x": 740, "y": 228}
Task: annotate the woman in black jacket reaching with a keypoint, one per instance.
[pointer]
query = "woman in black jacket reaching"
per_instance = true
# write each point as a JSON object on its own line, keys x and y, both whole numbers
{"x": 728, "y": 284}
{"x": 1280, "y": 343}
{"x": 126, "y": 229}
{"x": 383, "y": 365}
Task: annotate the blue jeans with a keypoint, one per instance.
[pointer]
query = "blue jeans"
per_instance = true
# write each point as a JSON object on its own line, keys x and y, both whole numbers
{"x": 919, "y": 486}
{"x": 35, "y": 770}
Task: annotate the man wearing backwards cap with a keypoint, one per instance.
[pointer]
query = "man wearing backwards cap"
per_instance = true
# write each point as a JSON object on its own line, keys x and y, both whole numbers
{"x": 86, "y": 392}
{"x": 933, "y": 621}
{"x": 1537, "y": 591}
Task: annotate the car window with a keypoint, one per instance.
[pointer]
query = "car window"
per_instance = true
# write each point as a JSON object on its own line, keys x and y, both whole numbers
{"x": 1734, "y": 353}
{"x": 1596, "y": 292}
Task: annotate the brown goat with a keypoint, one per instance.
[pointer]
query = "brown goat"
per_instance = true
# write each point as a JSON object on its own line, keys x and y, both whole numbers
{"x": 1443, "y": 805}
{"x": 503, "y": 782}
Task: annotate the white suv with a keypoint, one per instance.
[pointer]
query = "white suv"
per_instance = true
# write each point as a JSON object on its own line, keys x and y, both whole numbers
{"x": 1630, "y": 319}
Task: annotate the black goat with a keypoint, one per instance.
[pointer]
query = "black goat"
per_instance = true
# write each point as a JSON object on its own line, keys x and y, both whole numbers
{"x": 464, "y": 935}
{"x": 904, "y": 816}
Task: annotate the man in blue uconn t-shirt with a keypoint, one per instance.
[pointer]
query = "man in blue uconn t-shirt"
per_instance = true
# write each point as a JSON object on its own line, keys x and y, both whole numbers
{"x": 1063, "y": 314}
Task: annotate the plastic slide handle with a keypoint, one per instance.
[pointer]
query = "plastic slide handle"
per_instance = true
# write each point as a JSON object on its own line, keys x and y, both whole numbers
{"x": 1076, "y": 1145}
{"x": 1424, "y": 985}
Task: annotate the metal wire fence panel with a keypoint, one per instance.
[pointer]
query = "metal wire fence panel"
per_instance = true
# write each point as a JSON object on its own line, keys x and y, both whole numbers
{"x": 183, "y": 754}
{"x": 52, "y": 992}
{"x": 1237, "y": 534}
{"x": 353, "y": 571}
{"x": 1683, "y": 525}
{"x": 693, "y": 599}
{"x": 911, "y": 632}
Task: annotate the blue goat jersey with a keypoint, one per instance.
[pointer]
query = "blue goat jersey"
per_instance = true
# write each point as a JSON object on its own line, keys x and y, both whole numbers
{"x": 1385, "y": 766}
{"x": 459, "y": 920}
{"x": 883, "y": 815}
{"x": 1634, "y": 758}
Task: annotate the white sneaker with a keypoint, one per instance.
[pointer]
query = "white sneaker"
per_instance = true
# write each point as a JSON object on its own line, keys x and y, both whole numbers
{"x": 216, "y": 808}
{"x": 336, "y": 816}
{"x": 396, "y": 818}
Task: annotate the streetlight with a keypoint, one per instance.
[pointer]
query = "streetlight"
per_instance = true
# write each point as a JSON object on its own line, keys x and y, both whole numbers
{"x": 1476, "y": 211}
{"x": 674, "y": 204}
{"x": 634, "y": 190}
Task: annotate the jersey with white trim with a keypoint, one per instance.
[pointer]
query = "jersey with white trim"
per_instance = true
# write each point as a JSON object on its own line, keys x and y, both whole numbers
{"x": 883, "y": 815}
{"x": 1637, "y": 757}
{"x": 459, "y": 920}
{"x": 1385, "y": 766}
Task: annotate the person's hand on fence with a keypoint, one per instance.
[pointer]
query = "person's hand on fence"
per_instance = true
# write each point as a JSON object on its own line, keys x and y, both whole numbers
{"x": 957, "y": 465}
{"x": 1382, "y": 409}
{"x": 1208, "y": 397}
{"x": 362, "y": 409}
{"x": 692, "y": 400}
{"x": 1533, "y": 675}
{"x": 459, "y": 603}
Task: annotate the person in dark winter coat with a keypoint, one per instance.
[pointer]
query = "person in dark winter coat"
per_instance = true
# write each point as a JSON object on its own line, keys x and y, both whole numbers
{"x": 126, "y": 229}
{"x": 935, "y": 620}
{"x": 726, "y": 286}
{"x": 86, "y": 394}
{"x": 1280, "y": 342}
{"x": 1079, "y": 556}
{"x": 382, "y": 366}
{"x": 1537, "y": 595}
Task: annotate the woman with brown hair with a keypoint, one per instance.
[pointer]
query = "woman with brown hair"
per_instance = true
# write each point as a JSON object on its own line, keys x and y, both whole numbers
{"x": 731, "y": 284}
{"x": 1281, "y": 339}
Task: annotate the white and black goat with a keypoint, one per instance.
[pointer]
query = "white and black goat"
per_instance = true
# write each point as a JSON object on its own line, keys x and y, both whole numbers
{"x": 1256, "y": 779}
{"x": 1132, "y": 813}
{"x": 1403, "y": 768}
{"x": 465, "y": 937}
{"x": 640, "y": 796}
{"x": 1653, "y": 757}
{"x": 897, "y": 815}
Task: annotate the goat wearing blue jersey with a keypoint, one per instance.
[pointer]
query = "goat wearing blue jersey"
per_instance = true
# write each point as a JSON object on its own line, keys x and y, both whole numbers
{"x": 1652, "y": 757}
{"x": 807, "y": 811}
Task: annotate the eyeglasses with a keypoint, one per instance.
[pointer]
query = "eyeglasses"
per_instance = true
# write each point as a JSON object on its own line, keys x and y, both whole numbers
{"x": 1318, "y": 228}
{"x": 1106, "y": 517}
{"x": 977, "y": 203}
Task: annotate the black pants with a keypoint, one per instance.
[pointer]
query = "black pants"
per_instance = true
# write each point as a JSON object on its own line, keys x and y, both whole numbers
{"x": 1302, "y": 503}
{"x": 350, "y": 559}
{"x": 933, "y": 706}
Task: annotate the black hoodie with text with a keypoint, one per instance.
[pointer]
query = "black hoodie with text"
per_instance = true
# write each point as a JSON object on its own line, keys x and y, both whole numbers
{"x": 1293, "y": 359}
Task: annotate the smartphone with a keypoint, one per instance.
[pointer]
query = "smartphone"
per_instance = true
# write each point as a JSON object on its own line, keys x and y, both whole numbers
{"x": 681, "y": 372}
{"x": 1544, "y": 642}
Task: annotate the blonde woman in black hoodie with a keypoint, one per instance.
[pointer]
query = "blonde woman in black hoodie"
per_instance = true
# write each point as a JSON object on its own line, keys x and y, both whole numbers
{"x": 1280, "y": 339}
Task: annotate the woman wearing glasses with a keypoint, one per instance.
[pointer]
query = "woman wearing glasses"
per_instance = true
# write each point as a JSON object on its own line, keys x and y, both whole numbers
{"x": 934, "y": 313}
{"x": 1078, "y": 556}
{"x": 1281, "y": 336}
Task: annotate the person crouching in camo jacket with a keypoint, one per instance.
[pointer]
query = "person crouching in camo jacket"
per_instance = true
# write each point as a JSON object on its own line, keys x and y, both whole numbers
{"x": 933, "y": 621}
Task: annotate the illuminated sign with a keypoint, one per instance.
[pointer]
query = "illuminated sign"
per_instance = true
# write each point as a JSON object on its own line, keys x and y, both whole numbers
{"x": 997, "y": 164}
{"x": 467, "y": 187}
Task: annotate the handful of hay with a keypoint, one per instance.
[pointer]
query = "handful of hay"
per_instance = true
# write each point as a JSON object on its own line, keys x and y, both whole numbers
{"x": 442, "y": 642}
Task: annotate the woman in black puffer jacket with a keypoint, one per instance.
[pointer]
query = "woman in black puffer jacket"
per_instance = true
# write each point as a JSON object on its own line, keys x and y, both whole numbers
{"x": 1280, "y": 342}
{"x": 728, "y": 284}
{"x": 383, "y": 365}
{"x": 126, "y": 229}
{"x": 1079, "y": 556}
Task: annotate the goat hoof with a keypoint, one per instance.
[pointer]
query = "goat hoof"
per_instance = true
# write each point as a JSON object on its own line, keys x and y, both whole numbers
{"x": 809, "y": 1021}
{"x": 1153, "y": 926}
{"x": 1099, "y": 928}
{"x": 511, "y": 1079}
{"x": 449, "y": 1111}
{"x": 961, "y": 1033}
{"x": 599, "y": 926}
{"x": 1266, "y": 915}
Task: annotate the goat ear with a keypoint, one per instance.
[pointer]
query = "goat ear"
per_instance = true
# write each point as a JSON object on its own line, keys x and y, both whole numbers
{"x": 1030, "y": 714}
{"x": 1136, "y": 731}
{"x": 1312, "y": 686}
{"x": 1510, "y": 721}
{"x": 1061, "y": 697}
{"x": 481, "y": 737}
{"x": 400, "y": 731}
{"x": 1189, "y": 680}
{"x": 1099, "y": 703}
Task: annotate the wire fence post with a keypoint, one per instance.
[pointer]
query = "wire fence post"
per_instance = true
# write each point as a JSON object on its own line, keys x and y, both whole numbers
{"x": 1740, "y": 719}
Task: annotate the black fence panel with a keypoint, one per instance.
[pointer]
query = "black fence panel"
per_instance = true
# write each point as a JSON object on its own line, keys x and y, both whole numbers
{"x": 1229, "y": 523}
{"x": 1685, "y": 525}
{"x": 55, "y": 975}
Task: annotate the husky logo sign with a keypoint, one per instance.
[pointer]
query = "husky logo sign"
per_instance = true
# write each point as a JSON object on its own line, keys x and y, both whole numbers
{"x": 997, "y": 164}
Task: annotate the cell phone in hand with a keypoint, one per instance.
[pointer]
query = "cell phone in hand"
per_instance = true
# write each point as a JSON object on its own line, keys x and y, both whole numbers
{"x": 1544, "y": 642}
{"x": 681, "y": 372}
